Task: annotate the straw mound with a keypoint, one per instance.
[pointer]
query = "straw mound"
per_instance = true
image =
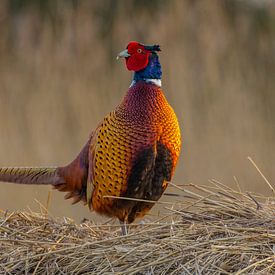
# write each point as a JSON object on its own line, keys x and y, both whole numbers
{"x": 209, "y": 230}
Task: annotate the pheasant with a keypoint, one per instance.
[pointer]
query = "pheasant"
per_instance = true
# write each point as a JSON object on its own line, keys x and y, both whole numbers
{"x": 129, "y": 158}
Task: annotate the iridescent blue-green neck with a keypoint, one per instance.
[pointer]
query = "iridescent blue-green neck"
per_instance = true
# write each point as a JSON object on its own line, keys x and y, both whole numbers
{"x": 152, "y": 71}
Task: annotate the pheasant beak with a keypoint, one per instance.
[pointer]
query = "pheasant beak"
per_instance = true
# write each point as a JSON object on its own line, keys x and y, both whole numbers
{"x": 123, "y": 54}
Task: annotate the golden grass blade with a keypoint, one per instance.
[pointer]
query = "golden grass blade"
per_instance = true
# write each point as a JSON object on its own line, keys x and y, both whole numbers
{"x": 263, "y": 176}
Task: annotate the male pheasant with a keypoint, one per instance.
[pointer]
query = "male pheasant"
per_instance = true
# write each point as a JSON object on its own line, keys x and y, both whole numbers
{"x": 131, "y": 154}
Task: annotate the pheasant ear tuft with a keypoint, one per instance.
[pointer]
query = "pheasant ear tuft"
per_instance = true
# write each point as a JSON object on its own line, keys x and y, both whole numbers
{"x": 154, "y": 48}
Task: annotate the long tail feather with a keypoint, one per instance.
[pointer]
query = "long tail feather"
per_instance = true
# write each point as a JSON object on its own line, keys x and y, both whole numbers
{"x": 71, "y": 178}
{"x": 31, "y": 175}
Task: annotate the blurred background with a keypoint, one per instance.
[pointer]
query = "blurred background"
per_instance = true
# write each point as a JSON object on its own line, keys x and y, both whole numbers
{"x": 59, "y": 77}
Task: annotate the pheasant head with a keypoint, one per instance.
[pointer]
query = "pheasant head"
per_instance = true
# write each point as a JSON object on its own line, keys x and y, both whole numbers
{"x": 143, "y": 60}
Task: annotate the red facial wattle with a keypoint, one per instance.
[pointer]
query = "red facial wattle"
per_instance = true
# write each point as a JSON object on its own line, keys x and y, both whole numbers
{"x": 137, "y": 62}
{"x": 139, "y": 57}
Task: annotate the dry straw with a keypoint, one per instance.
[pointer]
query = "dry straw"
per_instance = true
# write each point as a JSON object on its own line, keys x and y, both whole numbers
{"x": 209, "y": 229}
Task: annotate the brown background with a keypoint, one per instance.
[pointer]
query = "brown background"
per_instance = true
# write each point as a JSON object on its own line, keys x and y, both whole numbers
{"x": 59, "y": 77}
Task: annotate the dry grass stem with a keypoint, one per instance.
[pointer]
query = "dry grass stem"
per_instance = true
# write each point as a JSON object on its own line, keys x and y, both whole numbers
{"x": 263, "y": 176}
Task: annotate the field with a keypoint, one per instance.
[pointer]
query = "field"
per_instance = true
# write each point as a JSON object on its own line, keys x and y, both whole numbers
{"x": 59, "y": 78}
{"x": 208, "y": 230}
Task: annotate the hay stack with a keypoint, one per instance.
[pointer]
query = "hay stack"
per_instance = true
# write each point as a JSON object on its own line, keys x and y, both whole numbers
{"x": 208, "y": 230}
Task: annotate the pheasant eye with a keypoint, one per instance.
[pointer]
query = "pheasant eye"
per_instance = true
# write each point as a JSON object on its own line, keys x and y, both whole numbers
{"x": 139, "y": 50}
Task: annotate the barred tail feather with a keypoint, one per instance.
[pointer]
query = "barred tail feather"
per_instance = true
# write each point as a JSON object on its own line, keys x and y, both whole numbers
{"x": 71, "y": 178}
{"x": 31, "y": 175}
